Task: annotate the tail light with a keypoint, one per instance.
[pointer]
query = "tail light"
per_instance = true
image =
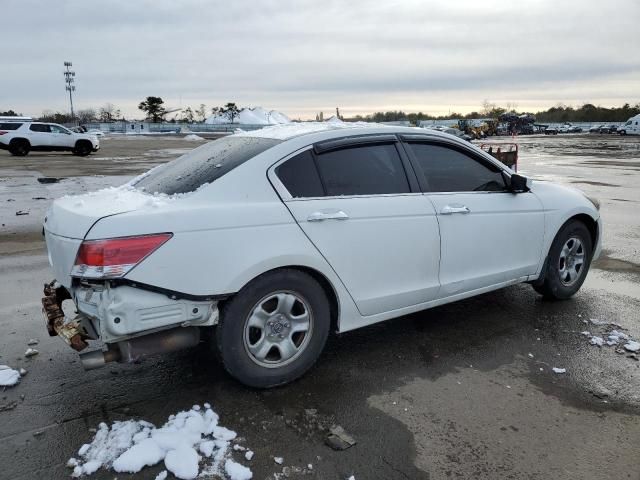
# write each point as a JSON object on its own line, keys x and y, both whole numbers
{"x": 115, "y": 257}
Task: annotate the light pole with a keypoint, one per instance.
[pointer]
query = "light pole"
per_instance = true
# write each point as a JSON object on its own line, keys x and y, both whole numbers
{"x": 68, "y": 80}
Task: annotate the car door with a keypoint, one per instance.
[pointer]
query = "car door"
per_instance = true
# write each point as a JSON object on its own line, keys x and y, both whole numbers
{"x": 362, "y": 209}
{"x": 39, "y": 135}
{"x": 489, "y": 235}
{"x": 61, "y": 137}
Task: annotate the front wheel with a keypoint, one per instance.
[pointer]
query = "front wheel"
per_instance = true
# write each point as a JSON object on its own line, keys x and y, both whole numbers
{"x": 274, "y": 329}
{"x": 568, "y": 262}
{"x": 83, "y": 149}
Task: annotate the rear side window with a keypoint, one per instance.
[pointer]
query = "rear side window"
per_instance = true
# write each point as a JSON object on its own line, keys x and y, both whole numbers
{"x": 362, "y": 170}
{"x": 203, "y": 165}
{"x": 445, "y": 169}
{"x": 300, "y": 177}
{"x": 10, "y": 126}
{"x": 38, "y": 127}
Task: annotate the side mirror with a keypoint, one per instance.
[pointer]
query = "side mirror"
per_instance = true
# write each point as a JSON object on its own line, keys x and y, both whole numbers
{"x": 518, "y": 183}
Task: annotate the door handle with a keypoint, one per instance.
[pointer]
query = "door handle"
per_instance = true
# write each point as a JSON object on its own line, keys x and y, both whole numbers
{"x": 321, "y": 216}
{"x": 456, "y": 208}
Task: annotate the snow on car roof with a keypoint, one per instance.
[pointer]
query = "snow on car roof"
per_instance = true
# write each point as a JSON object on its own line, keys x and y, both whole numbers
{"x": 295, "y": 129}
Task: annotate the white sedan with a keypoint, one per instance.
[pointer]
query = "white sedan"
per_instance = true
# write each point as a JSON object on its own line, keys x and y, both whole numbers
{"x": 276, "y": 237}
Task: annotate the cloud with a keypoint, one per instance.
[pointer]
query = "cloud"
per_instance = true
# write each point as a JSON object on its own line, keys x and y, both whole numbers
{"x": 301, "y": 56}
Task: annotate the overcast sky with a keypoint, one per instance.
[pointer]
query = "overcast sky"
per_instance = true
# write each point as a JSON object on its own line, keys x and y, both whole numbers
{"x": 302, "y": 57}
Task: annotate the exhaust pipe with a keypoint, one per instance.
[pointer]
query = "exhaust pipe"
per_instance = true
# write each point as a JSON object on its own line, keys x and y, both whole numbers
{"x": 137, "y": 348}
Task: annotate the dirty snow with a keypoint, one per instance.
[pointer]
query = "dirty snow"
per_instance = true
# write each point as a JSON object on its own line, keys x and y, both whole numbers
{"x": 597, "y": 341}
{"x": 30, "y": 352}
{"x": 248, "y": 455}
{"x": 8, "y": 376}
{"x": 187, "y": 440}
{"x": 632, "y": 346}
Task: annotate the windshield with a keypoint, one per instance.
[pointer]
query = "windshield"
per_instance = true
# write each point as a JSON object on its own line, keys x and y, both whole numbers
{"x": 203, "y": 165}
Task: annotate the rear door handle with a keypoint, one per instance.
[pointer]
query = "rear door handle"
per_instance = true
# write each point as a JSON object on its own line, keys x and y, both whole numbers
{"x": 455, "y": 208}
{"x": 332, "y": 215}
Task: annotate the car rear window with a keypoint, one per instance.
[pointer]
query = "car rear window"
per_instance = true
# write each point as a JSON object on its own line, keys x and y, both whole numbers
{"x": 10, "y": 126}
{"x": 203, "y": 165}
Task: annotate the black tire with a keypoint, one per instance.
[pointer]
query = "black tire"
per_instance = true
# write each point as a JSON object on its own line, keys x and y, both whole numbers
{"x": 623, "y": 132}
{"x": 232, "y": 339}
{"x": 83, "y": 148}
{"x": 555, "y": 284}
{"x": 19, "y": 147}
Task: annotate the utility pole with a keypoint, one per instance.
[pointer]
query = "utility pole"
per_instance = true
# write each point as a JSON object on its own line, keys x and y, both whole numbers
{"x": 68, "y": 80}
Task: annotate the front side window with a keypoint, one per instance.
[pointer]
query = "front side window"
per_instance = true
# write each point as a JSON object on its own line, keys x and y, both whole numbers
{"x": 59, "y": 129}
{"x": 39, "y": 127}
{"x": 445, "y": 169}
{"x": 362, "y": 170}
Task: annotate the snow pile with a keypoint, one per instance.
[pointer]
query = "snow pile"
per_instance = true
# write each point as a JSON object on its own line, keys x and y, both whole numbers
{"x": 251, "y": 116}
{"x": 8, "y": 376}
{"x": 293, "y": 129}
{"x": 188, "y": 439}
{"x": 194, "y": 138}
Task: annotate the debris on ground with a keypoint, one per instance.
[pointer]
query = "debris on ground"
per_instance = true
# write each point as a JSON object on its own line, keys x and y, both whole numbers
{"x": 338, "y": 439}
{"x": 21, "y": 212}
{"x": 278, "y": 460}
{"x": 8, "y": 376}
{"x": 129, "y": 446}
{"x": 248, "y": 455}
{"x": 33, "y": 341}
{"x": 39, "y": 198}
{"x": 597, "y": 341}
{"x": 8, "y": 406}
{"x": 31, "y": 352}
{"x": 49, "y": 179}
{"x": 23, "y": 372}
{"x": 613, "y": 338}
{"x": 559, "y": 370}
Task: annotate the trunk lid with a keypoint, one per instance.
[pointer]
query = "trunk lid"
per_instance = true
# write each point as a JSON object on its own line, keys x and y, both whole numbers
{"x": 70, "y": 218}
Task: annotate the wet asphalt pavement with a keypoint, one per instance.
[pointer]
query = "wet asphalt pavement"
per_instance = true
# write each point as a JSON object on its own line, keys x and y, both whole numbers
{"x": 460, "y": 391}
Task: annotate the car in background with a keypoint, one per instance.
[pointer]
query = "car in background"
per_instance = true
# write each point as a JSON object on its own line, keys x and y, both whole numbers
{"x": 551, "y": 130}
{"x": 22, "y": 137}
{"x": 574, "y": 129}
{"x": 276, "y": 237}
{"x": 595, "y": 128}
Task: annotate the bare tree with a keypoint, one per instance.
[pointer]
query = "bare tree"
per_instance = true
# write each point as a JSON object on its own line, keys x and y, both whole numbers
{"x": 201, "y": 113}
{"x": 108, "y": 113}
{"x": 86, "y": 115}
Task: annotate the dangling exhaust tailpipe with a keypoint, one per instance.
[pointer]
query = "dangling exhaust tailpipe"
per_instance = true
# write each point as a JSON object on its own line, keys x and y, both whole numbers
{"x": 137, "y": 348}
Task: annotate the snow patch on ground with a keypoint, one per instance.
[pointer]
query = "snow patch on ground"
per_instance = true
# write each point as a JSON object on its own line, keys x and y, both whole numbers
{"x": 8, "y": 376}
{"x": 559, "y": 370}
{"x": 187, "y": 440}
{"x": 194, "y": 138}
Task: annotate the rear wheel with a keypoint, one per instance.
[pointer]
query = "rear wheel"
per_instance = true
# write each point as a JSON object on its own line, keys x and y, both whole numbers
{"x": 83, "y": 148}
{"x": 568, "y": 262}
{"x": 274, "y": 329}
{"x": 19, "y": 147}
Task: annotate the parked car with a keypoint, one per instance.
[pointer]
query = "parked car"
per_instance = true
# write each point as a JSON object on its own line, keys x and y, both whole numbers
{"x": 21, "y": 138}
{"x": 551, "y": 131}
{"x": 608, "y": 129}
{"x": 631, "y": 126}
{"x": 574, "y": 129}
{"x": 595, "y": 129}
{"x": 279, "y": 236}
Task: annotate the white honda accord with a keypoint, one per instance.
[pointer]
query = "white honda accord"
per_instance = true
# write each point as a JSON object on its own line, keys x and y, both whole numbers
{"x": 276, "y": 237}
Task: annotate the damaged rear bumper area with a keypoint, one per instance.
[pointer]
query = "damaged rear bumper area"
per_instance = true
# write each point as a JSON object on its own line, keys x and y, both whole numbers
{"x": 132, "y": 323}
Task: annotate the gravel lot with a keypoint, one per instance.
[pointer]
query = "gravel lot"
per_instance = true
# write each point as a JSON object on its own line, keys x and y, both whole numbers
{"x": 460, "y": 391}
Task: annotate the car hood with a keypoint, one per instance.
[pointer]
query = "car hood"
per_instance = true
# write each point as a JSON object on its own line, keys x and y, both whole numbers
{"x": 73, "y": 216}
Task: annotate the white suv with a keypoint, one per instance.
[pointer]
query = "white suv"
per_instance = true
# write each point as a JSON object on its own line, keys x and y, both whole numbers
{"x": 22, "y": 137}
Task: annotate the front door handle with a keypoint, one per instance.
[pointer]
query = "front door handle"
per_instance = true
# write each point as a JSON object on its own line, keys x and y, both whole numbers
{"x": 333, "y": 215}
{"x": 455, "y": 208}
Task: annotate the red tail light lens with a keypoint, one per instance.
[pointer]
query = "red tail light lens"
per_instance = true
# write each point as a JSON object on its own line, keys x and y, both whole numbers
{"x": 114, "y": 257}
